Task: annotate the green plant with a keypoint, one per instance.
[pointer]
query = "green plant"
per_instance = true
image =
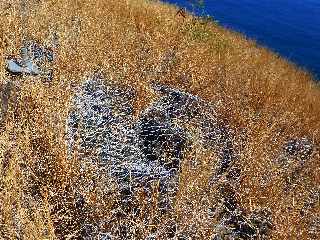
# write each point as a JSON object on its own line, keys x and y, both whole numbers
{"x": 198, "y": 30}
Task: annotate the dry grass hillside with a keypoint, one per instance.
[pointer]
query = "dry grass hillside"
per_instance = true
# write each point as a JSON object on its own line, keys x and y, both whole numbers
{"x": 267, "y": 102}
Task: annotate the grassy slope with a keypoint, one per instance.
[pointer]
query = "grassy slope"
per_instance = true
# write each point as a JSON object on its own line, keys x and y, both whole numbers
{"x": 136, "y": 42}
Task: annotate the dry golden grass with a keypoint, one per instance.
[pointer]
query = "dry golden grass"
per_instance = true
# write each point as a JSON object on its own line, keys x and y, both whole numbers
{"x": 135, "y": 42}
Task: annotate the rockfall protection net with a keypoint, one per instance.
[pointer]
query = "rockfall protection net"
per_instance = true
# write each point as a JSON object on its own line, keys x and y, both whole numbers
{"x": 138, "y": 152}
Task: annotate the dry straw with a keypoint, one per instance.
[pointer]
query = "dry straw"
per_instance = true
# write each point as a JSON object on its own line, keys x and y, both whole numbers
{"x": 266, "y": 100}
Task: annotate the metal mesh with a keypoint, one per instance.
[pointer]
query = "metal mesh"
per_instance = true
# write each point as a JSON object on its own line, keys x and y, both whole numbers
{"x": 140, "y": 152}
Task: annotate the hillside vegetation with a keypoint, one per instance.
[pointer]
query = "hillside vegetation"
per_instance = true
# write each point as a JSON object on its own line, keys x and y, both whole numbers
{"x": 271, "y": 106}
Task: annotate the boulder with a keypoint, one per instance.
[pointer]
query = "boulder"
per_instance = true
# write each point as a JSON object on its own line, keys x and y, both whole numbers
{"x": 32, "y": 61}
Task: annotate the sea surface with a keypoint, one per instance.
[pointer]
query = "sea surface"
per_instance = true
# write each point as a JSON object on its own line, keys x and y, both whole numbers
{"x": 288, "y": 27}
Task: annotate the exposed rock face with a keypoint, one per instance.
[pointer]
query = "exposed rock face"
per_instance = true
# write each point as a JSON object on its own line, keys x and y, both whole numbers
{"x": 102, "y": 121}
{"x": 293, "y": 158}
{"x": 150, "y": 149}
{"x": 101, "y": 128}
{"x": 299, "y": 148}
{"x": 183, "y": 109}
{"x": 233, "y": 222}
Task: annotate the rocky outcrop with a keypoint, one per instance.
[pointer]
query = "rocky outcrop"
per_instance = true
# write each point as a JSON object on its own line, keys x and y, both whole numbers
{"x": 34, "y": 60}
{"x": 137, "y": 152}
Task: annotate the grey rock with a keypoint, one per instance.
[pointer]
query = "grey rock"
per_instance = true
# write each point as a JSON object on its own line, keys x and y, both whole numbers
{"x": 137, "y": 153}
{"x": 299, "y": 147}
{"x": 102, "y": 124}
{"x": 105, "y": 236}
{"x": 187, "y": 108}
{"x": 32, "y": 61}
{"x": 22, "y": 67}
{"x": 292, "y": 159}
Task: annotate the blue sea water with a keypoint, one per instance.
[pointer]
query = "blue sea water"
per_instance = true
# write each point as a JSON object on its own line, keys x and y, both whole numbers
{"x": 288, "y": 27}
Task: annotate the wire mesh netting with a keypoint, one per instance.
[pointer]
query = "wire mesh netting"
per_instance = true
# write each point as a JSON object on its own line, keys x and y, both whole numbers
{"x": 148, "y": 150}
